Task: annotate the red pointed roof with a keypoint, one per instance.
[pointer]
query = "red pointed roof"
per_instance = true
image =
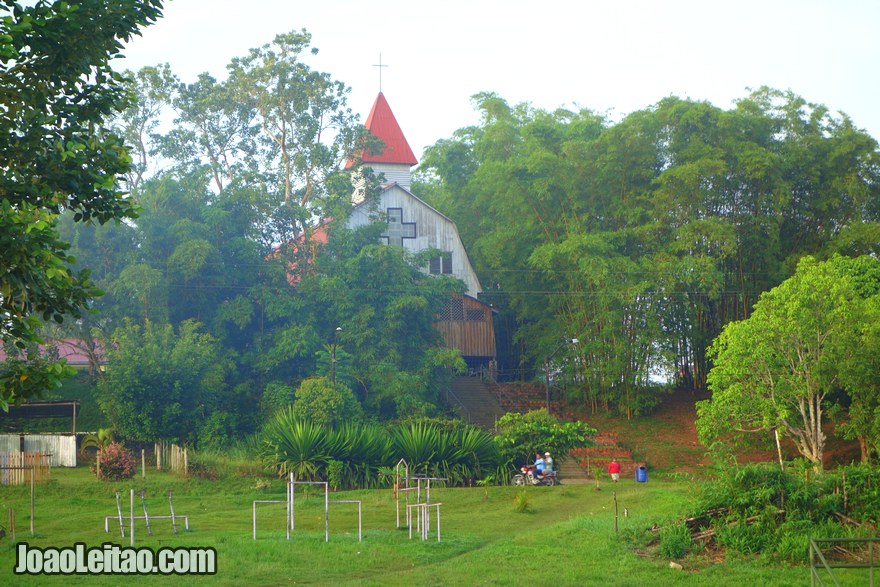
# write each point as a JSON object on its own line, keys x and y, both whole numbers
{"x": 382, "y": 124}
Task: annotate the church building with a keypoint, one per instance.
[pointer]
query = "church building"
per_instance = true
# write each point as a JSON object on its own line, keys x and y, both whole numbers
{"x": 466, "y": 323}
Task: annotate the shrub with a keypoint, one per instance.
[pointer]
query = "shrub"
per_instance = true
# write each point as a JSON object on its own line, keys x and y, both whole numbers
{"x": 861, "y": 486}
{"x": 520, "y": 436}
{"x": 746, "y": 538}
{"x": 276, "y": 396}
{"x": 675, "y": 541}
{"x": 334, "y": 473}
{"x": 522, "y": 503}
{"x": 292, "y": 444}
{"x": 326, "y": 403}
{"x": 117, "y": 463}
{"x": 203, "y": 468}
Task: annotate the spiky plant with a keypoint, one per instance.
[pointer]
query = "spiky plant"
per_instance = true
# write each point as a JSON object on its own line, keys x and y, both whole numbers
{"x": 291, "y": 444}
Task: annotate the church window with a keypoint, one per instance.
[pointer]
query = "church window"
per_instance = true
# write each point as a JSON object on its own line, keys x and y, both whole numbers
{"x": 441, "y": 265}
{"x": 397, "y": 228}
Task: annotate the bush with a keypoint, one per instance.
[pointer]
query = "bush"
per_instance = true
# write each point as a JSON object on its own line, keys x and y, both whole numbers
{"x": 117, "y": 463}
{"x": 522, "y": 502}
{"x": 747, "y": 538}
{"x": 335, "y": 471}
{"x": 326, "y": 403}
{"x": 861, "y": 485}
{"x": 276, "y": 396}
{"x": 203, "y": 465}
{"x": 675, "y": 541}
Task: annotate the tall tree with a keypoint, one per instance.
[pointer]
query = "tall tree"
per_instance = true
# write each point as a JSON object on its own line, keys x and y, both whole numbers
{"x": 302, "y": 114}
{"x": 775, "y": 370}
{"x": 691, "y": 209}
{"x": 57, "y": 88}
{"x": 861, "y": 375}
{"x": 162, "y": 384}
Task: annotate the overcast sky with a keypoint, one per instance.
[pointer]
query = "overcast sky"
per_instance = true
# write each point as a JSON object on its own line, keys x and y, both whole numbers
{"x": 613, "y": 56}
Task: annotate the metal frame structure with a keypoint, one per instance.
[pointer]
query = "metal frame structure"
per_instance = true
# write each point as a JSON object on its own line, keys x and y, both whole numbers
{"x": 818, "y": 560}
{"x": 290, "y": 502}
{"x": 146, "y": 517}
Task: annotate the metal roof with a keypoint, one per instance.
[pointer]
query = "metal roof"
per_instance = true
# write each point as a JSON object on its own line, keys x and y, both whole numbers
{"x": 382, "y": 124}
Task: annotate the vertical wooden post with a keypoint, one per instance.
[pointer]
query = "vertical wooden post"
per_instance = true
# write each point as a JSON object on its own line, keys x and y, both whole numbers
{"x": 33, "y": 481}
{"x": 615, "y": 513}
{"x": 131, "y": 517}
{"x": 143, "y": 465}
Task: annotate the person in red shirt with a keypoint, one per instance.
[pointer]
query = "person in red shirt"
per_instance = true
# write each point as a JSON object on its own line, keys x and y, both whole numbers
{"x": 614, "y": 470}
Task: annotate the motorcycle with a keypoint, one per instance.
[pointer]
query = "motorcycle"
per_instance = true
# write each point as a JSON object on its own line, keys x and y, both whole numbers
{"x": 527, "y": 476}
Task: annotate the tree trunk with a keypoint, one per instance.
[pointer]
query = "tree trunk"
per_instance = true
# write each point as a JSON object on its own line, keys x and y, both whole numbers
{"x": 778, "y": 448}
{"x": 864, "y": 449}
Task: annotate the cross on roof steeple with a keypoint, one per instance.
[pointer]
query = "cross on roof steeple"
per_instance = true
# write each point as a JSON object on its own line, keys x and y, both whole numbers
{"x": 380, "y": 66}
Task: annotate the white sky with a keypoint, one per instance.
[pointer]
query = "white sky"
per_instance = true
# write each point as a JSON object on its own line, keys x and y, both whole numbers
{"x": 612, "y": 56}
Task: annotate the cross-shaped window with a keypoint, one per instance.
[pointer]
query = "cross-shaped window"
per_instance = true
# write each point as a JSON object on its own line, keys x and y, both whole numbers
{"x": 397, "y": 228}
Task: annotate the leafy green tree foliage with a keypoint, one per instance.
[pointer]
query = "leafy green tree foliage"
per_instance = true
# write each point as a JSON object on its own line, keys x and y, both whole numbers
{"x": 326, "y": 403}
{"x": 296, "y": 108}
{"x": 861, "y": 375}
{"x": 775, "y": 370}
{"x": 521, "y": 436}
{"x": 56, "y": 87}
{"x": 213, "y": 129}
{"x": 277, "y": 396}
{"x": 151, "y": 91}
{"x": 161, "y": 384}
{"x": 250, "y": 165}
{"x": 387, "y": 348}
{"x": 644, "y": 238}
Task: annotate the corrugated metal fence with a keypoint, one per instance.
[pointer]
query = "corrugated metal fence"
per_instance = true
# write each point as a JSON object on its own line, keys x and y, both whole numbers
{"x": 61, "y": 448}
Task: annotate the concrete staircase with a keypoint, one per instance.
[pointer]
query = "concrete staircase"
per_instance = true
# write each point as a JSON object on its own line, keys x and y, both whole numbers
{"x": 571, "y": 473}
{"x": 474, "y": 402}
{"x": 594, "y": 460}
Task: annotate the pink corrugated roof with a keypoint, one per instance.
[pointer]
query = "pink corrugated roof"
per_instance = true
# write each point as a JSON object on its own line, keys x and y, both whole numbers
{"x": 70, "y": 349}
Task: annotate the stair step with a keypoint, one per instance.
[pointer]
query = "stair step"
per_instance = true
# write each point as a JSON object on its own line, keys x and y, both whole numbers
{"x": 476, "y": 402}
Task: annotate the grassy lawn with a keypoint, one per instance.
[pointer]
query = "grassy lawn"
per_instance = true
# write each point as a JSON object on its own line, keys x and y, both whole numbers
{"x": 568, "y": 534}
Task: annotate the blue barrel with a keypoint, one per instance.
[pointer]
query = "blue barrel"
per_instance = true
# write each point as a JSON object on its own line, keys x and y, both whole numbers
{"x": 641, "y": 474}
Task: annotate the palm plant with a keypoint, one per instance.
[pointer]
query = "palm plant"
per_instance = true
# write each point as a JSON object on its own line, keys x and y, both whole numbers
{"x": 418, "y": 444}
{"x": 99, "y": 440}
{"x": 476, "y": 454}
{"x": 291, "y": 444}
{"x": 362, "y": 448}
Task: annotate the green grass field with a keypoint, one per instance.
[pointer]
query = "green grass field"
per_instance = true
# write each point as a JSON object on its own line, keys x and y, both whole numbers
{"x": 567, "y": 536}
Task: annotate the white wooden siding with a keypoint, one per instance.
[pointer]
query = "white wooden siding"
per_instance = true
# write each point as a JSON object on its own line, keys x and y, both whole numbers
{"x": 433, "y": 230}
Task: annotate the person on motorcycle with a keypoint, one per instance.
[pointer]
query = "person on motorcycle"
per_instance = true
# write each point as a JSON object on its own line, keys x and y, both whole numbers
{"x": 548, "y": 462}
{"x": 539, "y": 466}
